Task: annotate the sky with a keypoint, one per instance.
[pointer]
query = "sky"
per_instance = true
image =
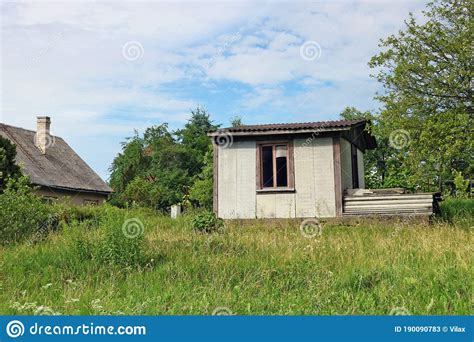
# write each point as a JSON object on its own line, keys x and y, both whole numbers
{"x": 101, "y": 70}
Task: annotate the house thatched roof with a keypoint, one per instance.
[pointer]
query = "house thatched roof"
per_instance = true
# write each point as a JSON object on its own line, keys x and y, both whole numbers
{"x": 59, "y": 168}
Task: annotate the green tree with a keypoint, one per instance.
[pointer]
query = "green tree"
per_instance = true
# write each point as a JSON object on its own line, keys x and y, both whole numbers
{"x": 426, "y": 71}
{"x": 159, "y": 168}
{"x": 128, "y": 164}
{"x": 194, "y": 139}
{"x": 236, "y": 121}
{"x": 152, "y": 170}
{"x": 201, "y": 191}
{"x": 8, "y": 167}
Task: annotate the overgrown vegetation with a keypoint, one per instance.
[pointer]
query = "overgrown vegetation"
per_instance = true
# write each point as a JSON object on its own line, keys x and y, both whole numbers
{"x": 9, "y": 170}
{"x": 158, "y": 169}
{"x": 458, "y": 211}
{"x": 23, "y": 215}
{"x": 90, "y": 266}
{"x": 207, "y": 222}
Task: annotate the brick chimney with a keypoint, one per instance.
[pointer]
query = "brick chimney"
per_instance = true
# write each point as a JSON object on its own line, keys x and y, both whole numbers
{"x": 43, "y": 139}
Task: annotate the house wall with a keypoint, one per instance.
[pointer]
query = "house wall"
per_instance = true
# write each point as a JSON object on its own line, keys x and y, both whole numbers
{"x": 314, "y": 195}
{"x": 73, "y": 197}
{"x": 314, "y": 178}
{"x": 237, "y": 180}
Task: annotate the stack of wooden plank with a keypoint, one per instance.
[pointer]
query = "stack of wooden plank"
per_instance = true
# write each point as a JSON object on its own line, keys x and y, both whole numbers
{"x": 393, "y": 204}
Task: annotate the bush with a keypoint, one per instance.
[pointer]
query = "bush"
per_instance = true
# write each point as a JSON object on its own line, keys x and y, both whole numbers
{"x": 23, "y": 214}
{"x": 201, "y": 191}
{"x": 8, "y": 168}
{"x": 207, "y": 222}
{"x": 71, "y": 213}
{"x": 458, "y": 211}
{"x": 460, "y": 184}
{"x": 121, "y": 239}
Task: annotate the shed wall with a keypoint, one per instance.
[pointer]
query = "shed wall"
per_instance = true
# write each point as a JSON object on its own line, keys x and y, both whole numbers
{"x": 313, "y": 195}
{"x": 236, "y": 184}
{"x": 314, "y": 178}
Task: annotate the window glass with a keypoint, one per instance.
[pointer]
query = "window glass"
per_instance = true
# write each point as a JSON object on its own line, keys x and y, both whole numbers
{"x": 90, "y": 202}
{"x": 281, "y": 165}
{"x": 267, "y": 166}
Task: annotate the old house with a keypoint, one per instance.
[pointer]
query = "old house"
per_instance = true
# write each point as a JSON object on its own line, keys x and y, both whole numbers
{"x": 288, "y": 170}
{"x": 53, "y": 166}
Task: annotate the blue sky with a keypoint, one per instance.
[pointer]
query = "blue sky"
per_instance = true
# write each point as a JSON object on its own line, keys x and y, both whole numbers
{"x": 102, "y": 69}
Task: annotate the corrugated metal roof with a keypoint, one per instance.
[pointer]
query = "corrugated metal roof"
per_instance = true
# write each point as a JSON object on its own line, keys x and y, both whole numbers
{"x": 295, "y": 126}
{"x": 60, "y": 167}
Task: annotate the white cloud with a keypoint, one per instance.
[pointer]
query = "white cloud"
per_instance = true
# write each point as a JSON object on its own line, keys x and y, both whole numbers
{"x": 65, "y": 59}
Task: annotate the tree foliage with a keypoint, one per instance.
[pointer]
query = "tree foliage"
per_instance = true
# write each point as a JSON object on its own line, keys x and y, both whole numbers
{"x": 201, "y": 191}
{"x": 8, "y": 168}
{"x": 426, "y": 71}
{"x": 236, "y": 121}
{"x": 158, "y": 169}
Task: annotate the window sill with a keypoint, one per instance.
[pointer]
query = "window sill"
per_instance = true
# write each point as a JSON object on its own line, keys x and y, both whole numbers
{"x": 273, "y": 190}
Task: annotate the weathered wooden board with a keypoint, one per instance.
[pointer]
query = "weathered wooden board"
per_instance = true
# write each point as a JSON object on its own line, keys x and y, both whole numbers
{"x": 390, "y": 204}
{"x": 245, "y": 180}
{"x": 304, "y": 178}
{"x": 387, "y": 197}
{"x": 227, "y": 176}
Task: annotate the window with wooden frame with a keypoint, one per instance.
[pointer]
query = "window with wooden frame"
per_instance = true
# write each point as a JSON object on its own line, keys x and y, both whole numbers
{"x": 49, "y": 199}
{"x": 275, "y": 166}
{"x": 90, "y": 202}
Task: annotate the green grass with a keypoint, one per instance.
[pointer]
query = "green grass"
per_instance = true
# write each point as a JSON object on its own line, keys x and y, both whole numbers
{"x": 356, "y": 267}
{"x": 458, "y": 211}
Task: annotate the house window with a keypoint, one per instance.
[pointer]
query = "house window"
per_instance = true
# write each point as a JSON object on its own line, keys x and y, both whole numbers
{"x": 90, "y": 202}
{"x": 274, "y": 166}
{"x": 49, "y": 199}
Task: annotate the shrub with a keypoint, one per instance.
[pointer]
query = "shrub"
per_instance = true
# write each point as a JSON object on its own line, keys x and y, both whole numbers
{"x": 122, "y": 242}
{"x": 201, "y": 191}
{"x": 71, "y": 213}
{"x": 8, "y": 168}
{"x": 458, "y": 211}
{"x": 207, "y": 222}
{"x": 460, "y": 184}
{"x": 23, "y": 214}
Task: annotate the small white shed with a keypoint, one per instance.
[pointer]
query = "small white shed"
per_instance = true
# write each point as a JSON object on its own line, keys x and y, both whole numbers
{"x": 292, "y": 170}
